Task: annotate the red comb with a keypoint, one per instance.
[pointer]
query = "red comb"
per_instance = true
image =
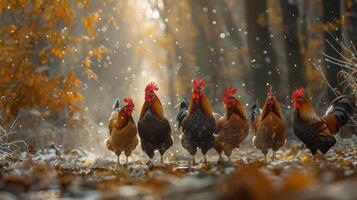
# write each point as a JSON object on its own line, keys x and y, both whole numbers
{"x": 198, "y": 83}
{"x": 128, "y": 101}
{"x": 270, "y": 91}
{"x": 151, "y": 87}
{"x": 297, "y": 93}
{"x": 228, "y": 92}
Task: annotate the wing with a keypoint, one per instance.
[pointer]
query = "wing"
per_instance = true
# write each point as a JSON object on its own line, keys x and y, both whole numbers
{"x": 332, "y": 123}
{"x": 112, "y": 119}
{"x": 180, "y": 116}
{"x": 220, "y": 124}
{"x": 311, "y": 137}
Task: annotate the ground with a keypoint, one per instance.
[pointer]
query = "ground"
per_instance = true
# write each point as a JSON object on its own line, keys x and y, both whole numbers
{"x": 53, "y": 173}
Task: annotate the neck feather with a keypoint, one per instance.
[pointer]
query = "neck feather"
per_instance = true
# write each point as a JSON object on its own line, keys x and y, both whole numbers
{"x": 307, "y": 111}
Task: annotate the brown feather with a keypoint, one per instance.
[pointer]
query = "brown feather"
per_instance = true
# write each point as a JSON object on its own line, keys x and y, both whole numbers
{"x": 232, "y": 130}
{"x": 123, "y": 133}
{"x": 269, "y": 128}
{"x": 118, "y": 119}
{"x": 269, "y": 133}
{"x": 275, "y": 108}
{"x": 124, "y": 139}
{"x": 203, "y": 103}
{"x": 238, "y": 109}
{"x": 156, "y": 108}
{"x": 332, "y": 123}
{"x": 327, "y": 125}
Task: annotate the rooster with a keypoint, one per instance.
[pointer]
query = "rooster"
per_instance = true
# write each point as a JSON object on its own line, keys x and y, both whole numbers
{"x": 122, "y": 129}
{"x": 154, "y": 128}
{"x": 233, "y": 127}
{"x": 268, "y": 125}
{"x": 197, "y": 122}
{"x": 317, "y": 133}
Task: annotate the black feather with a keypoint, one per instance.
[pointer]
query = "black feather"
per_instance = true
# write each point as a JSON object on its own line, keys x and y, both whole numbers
{"x": 342, "y": 108}
{"x": 198, "y": 132}
{"x": 313, "y": 140}
{"x": 254, "y": 111}
{"x": 183, "y": 111}
{"x": 154, "y": 133}
{"x": 116, "y": 104}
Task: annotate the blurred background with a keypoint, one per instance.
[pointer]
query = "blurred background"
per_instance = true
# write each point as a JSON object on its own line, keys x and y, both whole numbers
{"x": 63, "y": 63}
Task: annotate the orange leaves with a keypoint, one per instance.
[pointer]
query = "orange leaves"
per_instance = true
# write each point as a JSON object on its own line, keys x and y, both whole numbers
{"x": 57, "y": 52}
{"x": 247, "y": 183}
{"x": 90, "y": 23}
{"x": 37, "y": 90}
{"x": 297, "y": 181}
{"x": 38, "y": 32}
{"x": 98, "y": 52}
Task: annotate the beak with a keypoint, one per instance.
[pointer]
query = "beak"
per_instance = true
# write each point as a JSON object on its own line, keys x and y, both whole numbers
{"x": 292, "y": 101}
{"x": 177, "y": 105}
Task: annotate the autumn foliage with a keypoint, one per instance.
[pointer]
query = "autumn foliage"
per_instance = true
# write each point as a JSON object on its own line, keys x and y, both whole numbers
{"x": 37, "y": 39}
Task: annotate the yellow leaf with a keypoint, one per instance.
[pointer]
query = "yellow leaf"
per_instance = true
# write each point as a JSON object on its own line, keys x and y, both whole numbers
{"x": 57, "y": 52}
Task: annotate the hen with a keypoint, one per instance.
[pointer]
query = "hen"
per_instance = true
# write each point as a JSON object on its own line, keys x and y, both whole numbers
{"x": 122, "y": 128}
{"x": 233, "y": 127}
{"x": 269, "y": 125}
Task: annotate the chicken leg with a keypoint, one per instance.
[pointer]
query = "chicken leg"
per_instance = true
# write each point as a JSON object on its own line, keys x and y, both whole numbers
{"x": 118, "y": 160}
{"x": 193, "y": 161}
{"x": 162, "y": 158}
{"x": 204, "y": 158}
{"x": 274, "y": 156}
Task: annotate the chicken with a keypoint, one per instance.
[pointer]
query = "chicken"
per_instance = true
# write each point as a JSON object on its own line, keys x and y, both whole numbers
{"x": 122, "y": 129}
{"x": 317, "y": 133}
{"x": 154, "y": 128}
{"x": 268, "y": 125}
{"x": 197, "y": 122}
{"x": 233, "y": 127}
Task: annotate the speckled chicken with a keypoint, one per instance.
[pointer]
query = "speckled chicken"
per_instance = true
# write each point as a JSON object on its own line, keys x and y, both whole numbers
{"x": 197, "y": 122}
{"x": 122, "y": 129}
{"x": 233, "y": 127}
{"x": 269, "y": 126}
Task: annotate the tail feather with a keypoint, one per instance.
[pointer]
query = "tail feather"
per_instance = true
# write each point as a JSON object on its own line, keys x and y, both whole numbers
{"x": 116, "y": 104}
{"x": 342, "y": 108}
{"x": 183, "y": 111}
{"x": 254, "y": 112}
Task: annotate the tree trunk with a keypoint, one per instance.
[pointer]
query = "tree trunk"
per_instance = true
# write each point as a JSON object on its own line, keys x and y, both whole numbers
{"x": 295, "y": 58}
{"x": 332, "y": 13}
{"x": 205, "y": 58}
{"x": 261, "y": 53}
{"x": 349, "y": 8}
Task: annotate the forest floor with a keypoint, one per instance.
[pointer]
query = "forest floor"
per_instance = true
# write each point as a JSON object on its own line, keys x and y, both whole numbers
{"x": 52, "y": 173}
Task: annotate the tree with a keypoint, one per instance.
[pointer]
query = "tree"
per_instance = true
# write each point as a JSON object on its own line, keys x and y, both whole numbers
{"x": 349, "y": 8}
{"x": 295, "y": 58}
{"x": 261, "y": 53}
{"x": 36, "y": 37}
{"x": 332, "y": 15}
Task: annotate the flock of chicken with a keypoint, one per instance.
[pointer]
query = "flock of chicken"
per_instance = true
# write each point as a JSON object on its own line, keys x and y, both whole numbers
{"x": 202, "y": 129}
